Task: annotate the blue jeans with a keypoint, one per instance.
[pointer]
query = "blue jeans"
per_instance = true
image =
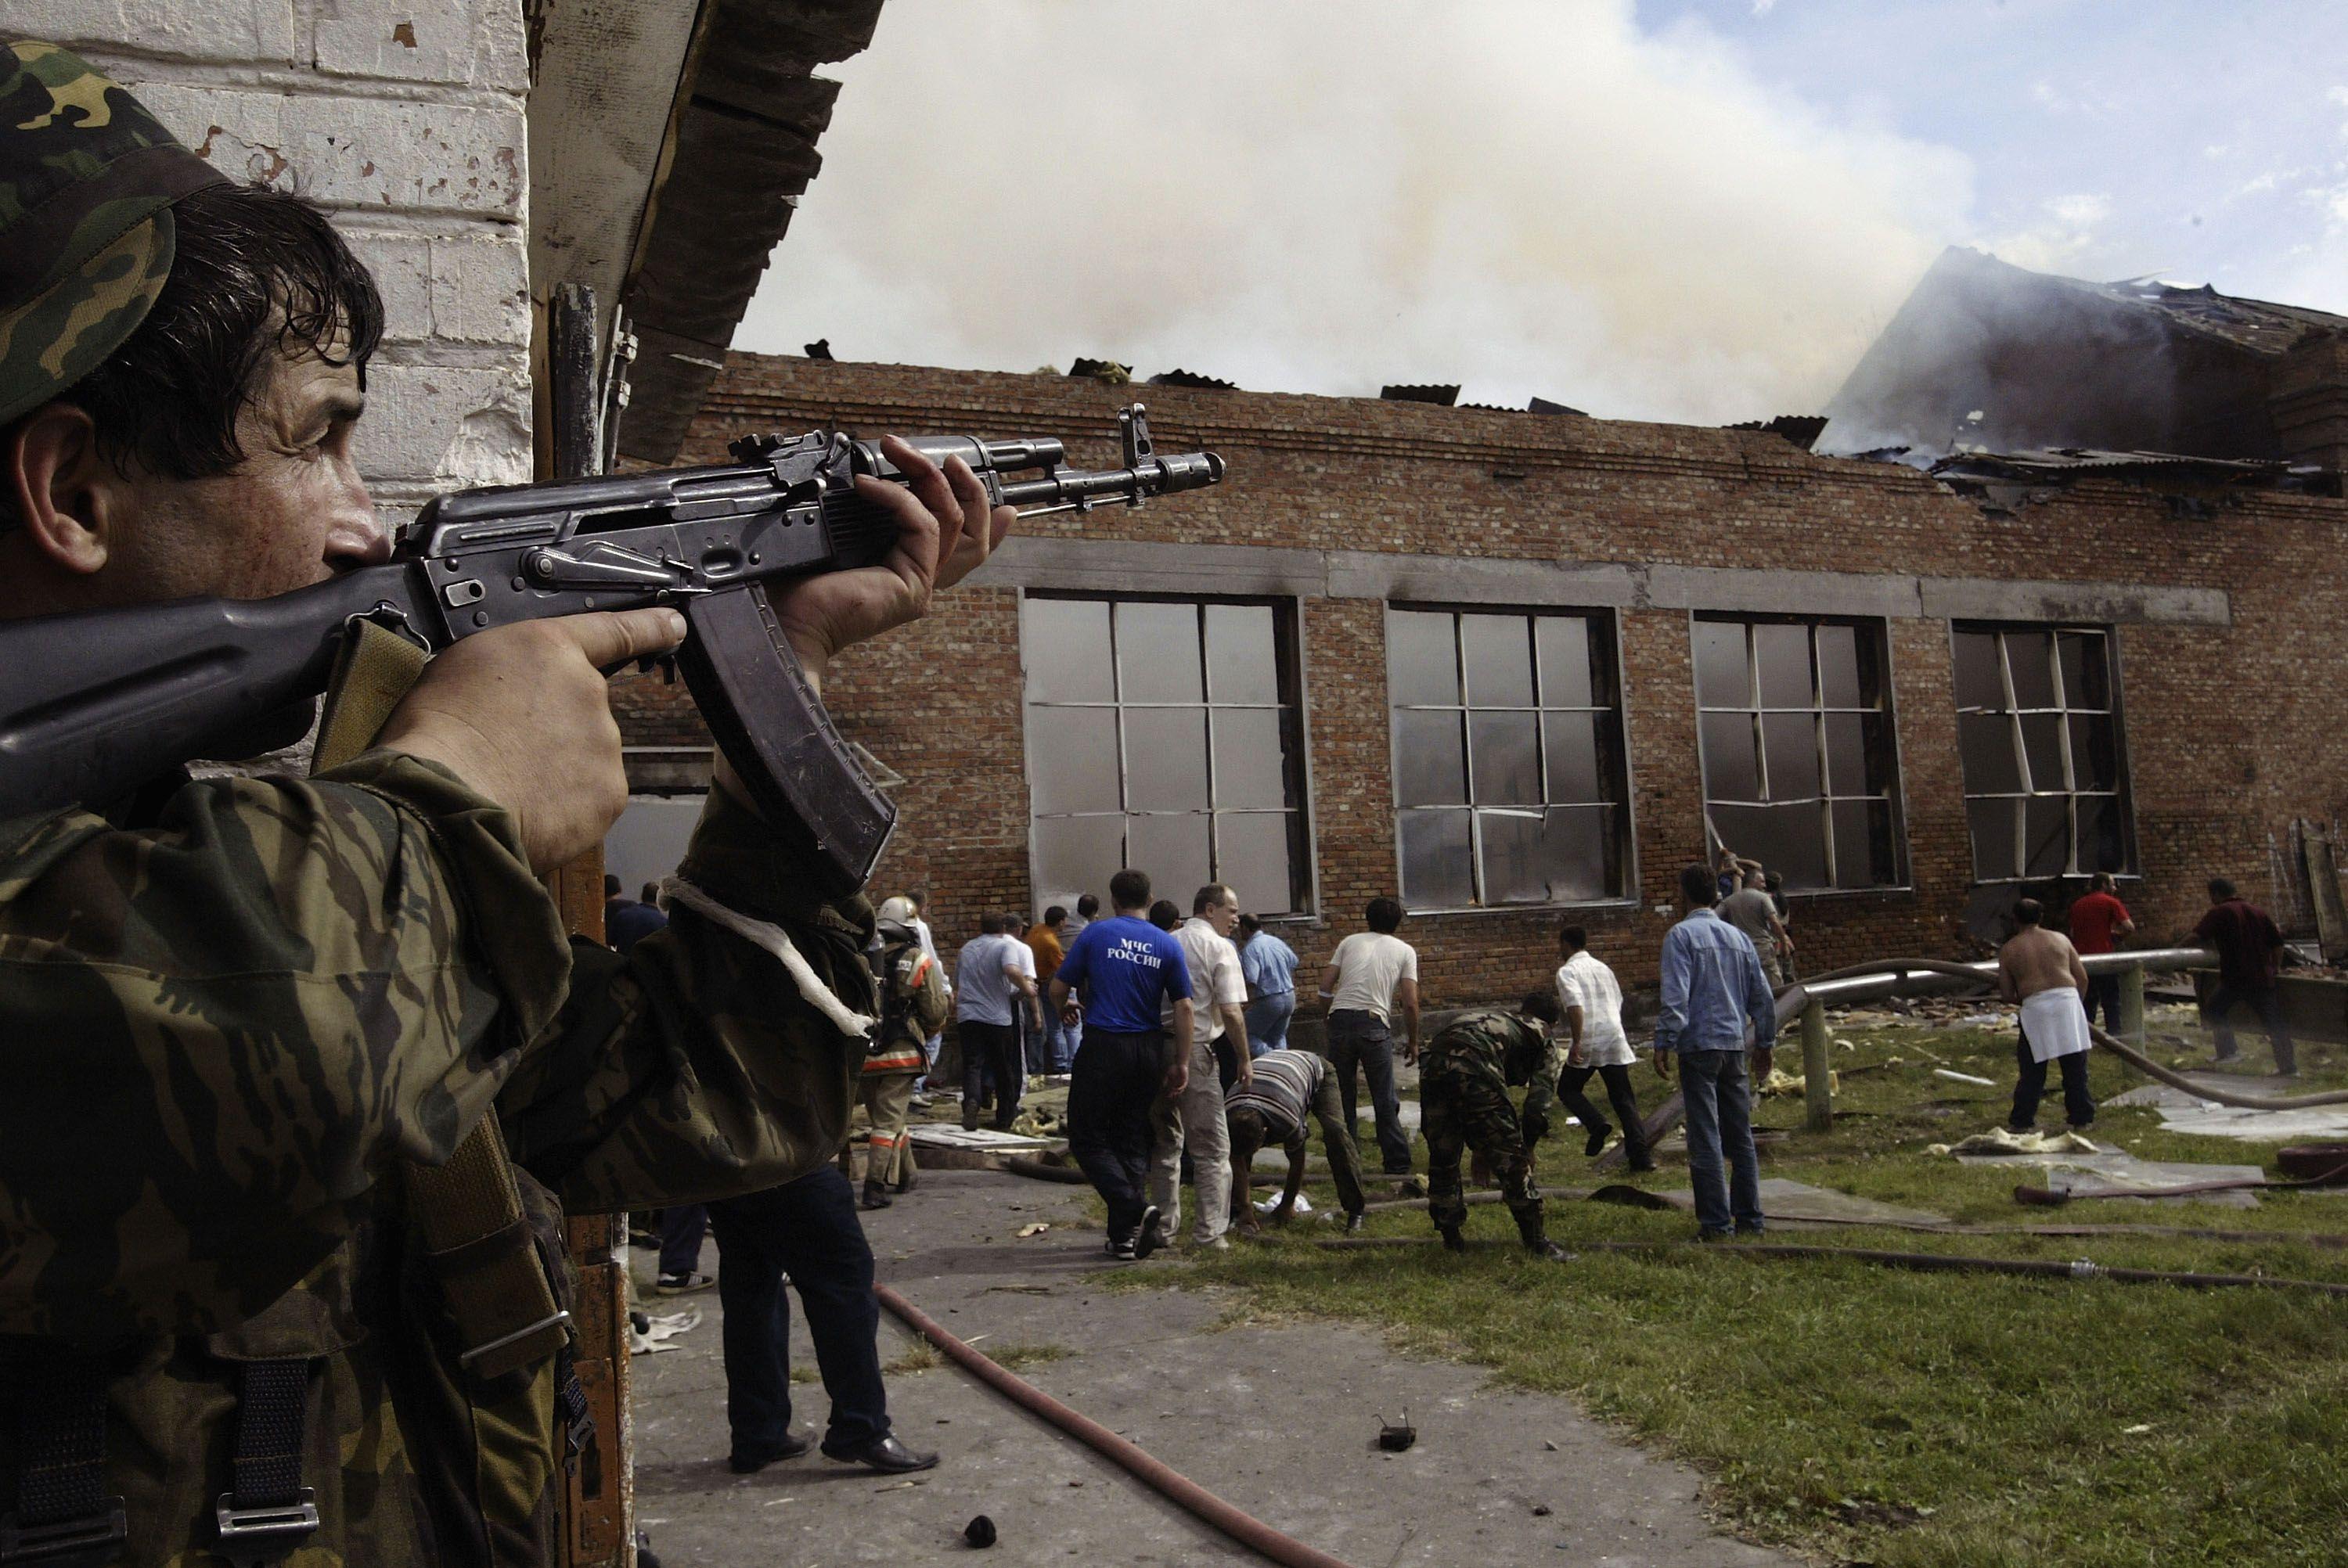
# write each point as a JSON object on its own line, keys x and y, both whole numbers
{"x": 1065, "y": 1038}
{"x": 1267, "y": 1022}
{"x": 1719, "y": 1099}
{"x": 808, "y": 1229}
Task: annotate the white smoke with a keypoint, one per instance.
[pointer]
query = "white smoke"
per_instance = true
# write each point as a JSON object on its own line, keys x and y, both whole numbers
{"x": 1529, "y": 198}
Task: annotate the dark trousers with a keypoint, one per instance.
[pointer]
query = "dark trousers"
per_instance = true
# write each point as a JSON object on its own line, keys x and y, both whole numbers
{"x": 2103, "y": 992}
{"x": 2030, "y": 1086}
{"x": 680, "y": 1229}
{"x": 808, "y": 1230}
{"x": 1619, "y": 1093}
{"x": 1361, "y": 1047}
{"x": 991, "y": 1046}
{"x": 1115, "y": 1083}
{"x": 2267, "y": 1002}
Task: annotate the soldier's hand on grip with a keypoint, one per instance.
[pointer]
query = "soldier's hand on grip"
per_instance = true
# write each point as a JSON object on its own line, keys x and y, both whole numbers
{"x": 522, "y": 715}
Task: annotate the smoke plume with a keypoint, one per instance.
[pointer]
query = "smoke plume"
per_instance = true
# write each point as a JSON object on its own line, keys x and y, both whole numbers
{"x": 1315, "y": 196}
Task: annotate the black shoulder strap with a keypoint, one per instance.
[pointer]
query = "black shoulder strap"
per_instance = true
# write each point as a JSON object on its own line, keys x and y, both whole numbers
{"x": 268, "y": 1511}
{"x": 63, "y": 1516}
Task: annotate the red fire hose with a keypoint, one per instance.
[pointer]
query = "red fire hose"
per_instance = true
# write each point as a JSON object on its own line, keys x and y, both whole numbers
{"x": 1189, "y": 1495}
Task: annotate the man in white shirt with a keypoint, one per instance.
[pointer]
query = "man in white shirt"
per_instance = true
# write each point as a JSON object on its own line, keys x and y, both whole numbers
{"x": 1194, "y": 1118}
{"x": 1371, "y": 975}
{"x": 991, "y": 981}
{"x": 1595, "y": 1042}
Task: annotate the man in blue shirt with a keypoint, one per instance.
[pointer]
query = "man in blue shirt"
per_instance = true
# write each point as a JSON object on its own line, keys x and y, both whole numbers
{"x": 1713, "y": 991}
{"x": 1126, "y": 1058}
{"x": 1269, "y": 967}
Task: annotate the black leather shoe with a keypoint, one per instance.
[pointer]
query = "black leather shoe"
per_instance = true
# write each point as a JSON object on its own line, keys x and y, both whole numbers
{"x": 1353, "y": 1224}
{"x": 886, "y": 1454}
{"x": 745, "y": 1462}
{"x": 1595, "y": 1144}
{"x": 1452, "y": 1240}
{"x": 1641, "y": 1165}
{"x": 1548, "y": 1251}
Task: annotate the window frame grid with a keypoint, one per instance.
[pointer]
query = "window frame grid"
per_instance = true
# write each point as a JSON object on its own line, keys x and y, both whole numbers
{"x": 1623, "y": 852}
{"x": 1818, "y": 711}
{"x": 1289, "y": 710}
{"x": 2120, "y": 797}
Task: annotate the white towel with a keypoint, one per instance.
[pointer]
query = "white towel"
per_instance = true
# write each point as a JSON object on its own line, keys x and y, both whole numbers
{"x": 2054, "y": 1023}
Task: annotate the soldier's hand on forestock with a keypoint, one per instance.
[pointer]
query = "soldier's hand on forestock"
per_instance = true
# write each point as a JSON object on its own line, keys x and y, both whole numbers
{"x": 945, "y": 531}
{"x": 522, "y": 715}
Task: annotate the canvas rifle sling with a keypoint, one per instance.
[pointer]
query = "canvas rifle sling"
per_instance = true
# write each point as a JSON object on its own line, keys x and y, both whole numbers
{"x": 469, "y": 1210}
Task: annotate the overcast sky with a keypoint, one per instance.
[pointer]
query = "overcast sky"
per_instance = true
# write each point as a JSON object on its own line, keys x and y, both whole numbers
{"x": 1686, "y": 210}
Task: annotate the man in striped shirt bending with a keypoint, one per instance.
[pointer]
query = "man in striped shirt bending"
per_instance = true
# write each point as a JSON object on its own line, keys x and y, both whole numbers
{"x": 1287, "y": 1086}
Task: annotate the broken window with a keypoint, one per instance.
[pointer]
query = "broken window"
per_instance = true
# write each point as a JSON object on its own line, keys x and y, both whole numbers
{"x": 2038, "y": 728}
{"x": 1509, "y": 778}
{"x": 1165, "y": 734}
{"x": 1800, "y": 765}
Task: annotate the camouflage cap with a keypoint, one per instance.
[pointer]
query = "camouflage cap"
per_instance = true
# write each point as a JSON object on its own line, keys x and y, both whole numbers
{"x": 86, "y": 179}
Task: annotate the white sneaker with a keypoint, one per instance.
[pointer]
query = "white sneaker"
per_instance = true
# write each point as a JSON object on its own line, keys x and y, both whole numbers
{"x": 1215, "y": 1244}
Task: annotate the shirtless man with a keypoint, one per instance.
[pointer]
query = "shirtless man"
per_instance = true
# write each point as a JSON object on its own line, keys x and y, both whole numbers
{"x": 2041, "y": 970}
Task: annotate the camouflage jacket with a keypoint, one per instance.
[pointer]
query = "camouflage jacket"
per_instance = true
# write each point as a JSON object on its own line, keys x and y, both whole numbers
{"x": 1503, "y": 1043}
{"x": 228, "y": 1016}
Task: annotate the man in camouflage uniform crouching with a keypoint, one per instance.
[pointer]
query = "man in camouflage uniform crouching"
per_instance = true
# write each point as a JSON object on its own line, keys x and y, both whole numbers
{"x": 303, "y": 1073}
{"x": 1463, "y": 1076}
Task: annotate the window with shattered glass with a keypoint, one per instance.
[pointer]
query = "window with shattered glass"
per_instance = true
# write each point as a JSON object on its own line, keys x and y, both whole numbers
{"x": 1801, "y": 767}
{"x": 2038, "y": 728}
{"x": 1165, "y": 735}
{"x": 1509, "y": 776}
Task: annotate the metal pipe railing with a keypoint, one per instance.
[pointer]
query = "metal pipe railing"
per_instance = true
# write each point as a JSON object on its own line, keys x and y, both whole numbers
{"x": 1910, "y": 982}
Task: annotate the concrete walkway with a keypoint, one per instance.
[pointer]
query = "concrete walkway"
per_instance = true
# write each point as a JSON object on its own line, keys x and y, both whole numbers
{"x": 1279, "y": 1421}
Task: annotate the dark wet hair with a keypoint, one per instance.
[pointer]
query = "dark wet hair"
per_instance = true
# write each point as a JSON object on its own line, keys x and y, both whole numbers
{"x": 256, "y": 272}
{"x": 1385, "y": 914}
{"x": 1573, "y": 937}
{"x": 1129, "y": 889}
{"x": 1699, "y": 889}
{"x": 1164, "y": 915}
{"x": 1055, "y": 915}
{"x": 2220, "y": 889}
{"x": 1542, "y": 1005}
{"x": 2028, "y": 911}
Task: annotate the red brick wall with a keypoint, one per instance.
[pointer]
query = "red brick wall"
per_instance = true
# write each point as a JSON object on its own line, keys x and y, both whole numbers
{"x": 2230, "y": 731}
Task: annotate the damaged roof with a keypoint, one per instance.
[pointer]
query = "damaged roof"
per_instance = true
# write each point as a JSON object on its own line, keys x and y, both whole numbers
{"x": 2260, "y": 325}
{"x": 741, "y": 149}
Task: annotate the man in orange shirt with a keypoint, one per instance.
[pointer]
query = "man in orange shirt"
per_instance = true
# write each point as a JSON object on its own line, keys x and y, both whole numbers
{"x": 1059, "y": 1042}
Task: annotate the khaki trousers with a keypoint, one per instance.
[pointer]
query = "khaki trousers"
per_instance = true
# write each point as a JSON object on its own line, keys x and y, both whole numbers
{"x": 1192, "y": 1121}
{"x": 888, "y": 1100}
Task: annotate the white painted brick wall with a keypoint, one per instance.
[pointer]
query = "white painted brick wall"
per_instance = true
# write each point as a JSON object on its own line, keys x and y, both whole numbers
{"x": 406, "y": 125}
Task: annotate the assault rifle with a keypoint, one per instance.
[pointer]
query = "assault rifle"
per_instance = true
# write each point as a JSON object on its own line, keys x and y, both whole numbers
{"x": 95, "y": 702}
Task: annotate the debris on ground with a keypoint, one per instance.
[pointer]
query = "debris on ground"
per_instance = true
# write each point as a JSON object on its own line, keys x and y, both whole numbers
{"x": 1782, "y": 1083}
{"x": 1998, "y": 1141}
{"x": 658, "y": 1330}
{"x": 1953, "y": 1076}
{"x": 1038, "y": 1229}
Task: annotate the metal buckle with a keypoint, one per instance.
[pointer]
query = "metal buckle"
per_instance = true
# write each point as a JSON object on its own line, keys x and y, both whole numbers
{"x": 251, "y": 1536}
{"x": 466, "y": 1358}
{"x": 93, "y": 1535}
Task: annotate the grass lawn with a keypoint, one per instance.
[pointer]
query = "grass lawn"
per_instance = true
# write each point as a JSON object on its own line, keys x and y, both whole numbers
{"x": 1873, "y": 1415}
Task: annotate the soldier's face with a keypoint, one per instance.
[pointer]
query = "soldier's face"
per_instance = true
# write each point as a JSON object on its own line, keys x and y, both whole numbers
{"x": 294, "y": 513}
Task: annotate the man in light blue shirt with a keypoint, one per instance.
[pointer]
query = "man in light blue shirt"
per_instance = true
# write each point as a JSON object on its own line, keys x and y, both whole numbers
{"x": 1269, "y": 967}
{"x": 1714, "y": 992}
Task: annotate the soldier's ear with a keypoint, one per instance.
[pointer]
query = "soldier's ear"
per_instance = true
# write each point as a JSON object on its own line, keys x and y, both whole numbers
{"x": 64, "y": 492}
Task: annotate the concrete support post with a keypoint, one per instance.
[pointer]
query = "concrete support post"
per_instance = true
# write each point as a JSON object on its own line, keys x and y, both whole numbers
{"x": 2132, "y": 1005}
{"x": 1817, "y": 1094}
